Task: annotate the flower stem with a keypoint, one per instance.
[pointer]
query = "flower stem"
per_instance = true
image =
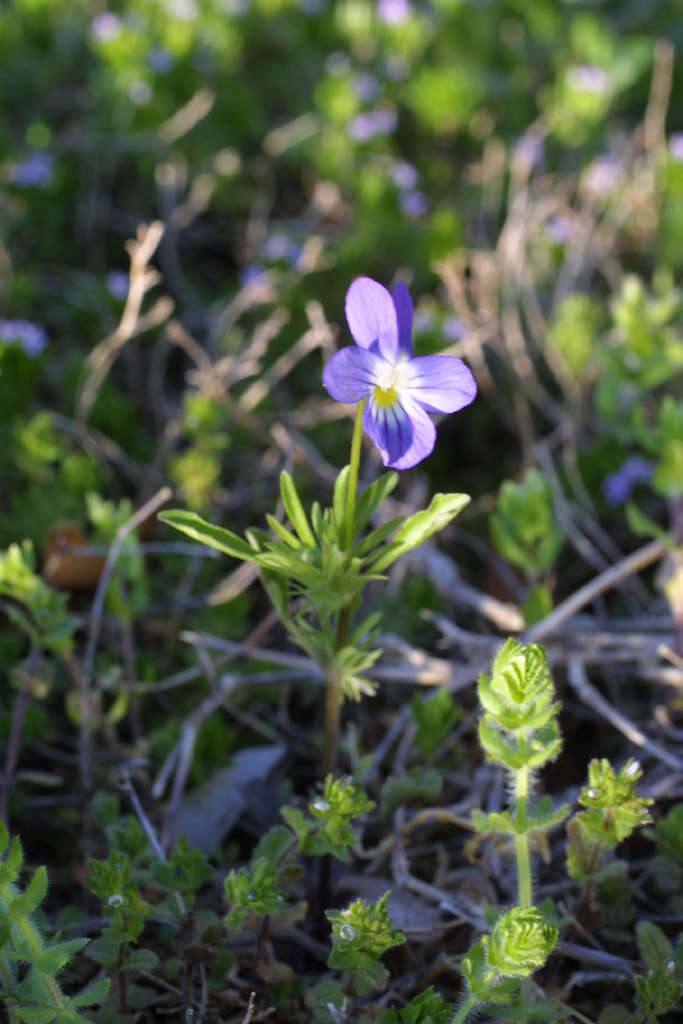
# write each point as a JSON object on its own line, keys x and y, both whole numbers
{"x": 332, "y": 695}
{"x": 464, "y": 1010}
{"x": 525, "y": 897}
{"x": 353, "y": 474}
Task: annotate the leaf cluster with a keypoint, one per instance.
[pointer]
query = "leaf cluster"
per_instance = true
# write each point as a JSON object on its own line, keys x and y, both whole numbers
{"x": 614, "y": 811}
{"x": 521, "y": 941}
{"x": 321, "y": 563}
{"x": 34, "y": 607}
{"x": 361, "y": 934}
{"x": 519, "y": 728}
{"x": 523, "y": 524}
{"x": 34, "y": 995}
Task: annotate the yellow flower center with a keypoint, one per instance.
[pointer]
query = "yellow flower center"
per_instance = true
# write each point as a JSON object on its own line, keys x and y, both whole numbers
{"x": 385, "y": 397}
{"x": 390, "y": 378}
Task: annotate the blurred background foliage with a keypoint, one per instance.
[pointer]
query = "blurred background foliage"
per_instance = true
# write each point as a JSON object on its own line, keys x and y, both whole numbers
{"x": 519, "y": 165}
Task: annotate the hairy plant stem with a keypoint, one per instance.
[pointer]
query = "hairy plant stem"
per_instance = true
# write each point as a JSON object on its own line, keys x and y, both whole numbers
{"x": 524, "y": 888}
{"x": 464, "y": 1010}
{"x": 32, "y": 937}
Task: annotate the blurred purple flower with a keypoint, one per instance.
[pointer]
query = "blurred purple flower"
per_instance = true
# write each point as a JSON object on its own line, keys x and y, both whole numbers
{"x": 184, "y": 10}
{"x": 404, "y": 174}
{"x": 31, "y": 337}
{"x": 394, "y": 12}
{"x": 414, "y": 203}
{"x": 253, "y": 273}
{"x": 400, "y": 388}
{"x": 312, "y": 6}
{"x": 279, "y": 247}
{"x": 337, "y": 63}
{"x": 105, "y": 26}
{"x": 117, "y": 284}
{"x": 160, "y": 60}
{"x": 589, "y": 78}
{"x": 368, "y": 125}
{"x": 560, "y": 228}
{"x": 396, "y": 67}
{"x": 676, "y": 146}
{"x": 618, "y": 486}
{"x": 454, "y": 328}
{"x": 424, "y": 321}
{"x": 602, "y": 176}
{"x": 35, "y": 171}
{"x": 366, "y": 86}
{"x": 527, "y": 153}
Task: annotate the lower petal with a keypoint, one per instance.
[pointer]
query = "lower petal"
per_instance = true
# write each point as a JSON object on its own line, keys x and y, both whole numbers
{"x": 403, "y": 432}
{"x": 389, "y": 427}
{"x": 424, "y": 435}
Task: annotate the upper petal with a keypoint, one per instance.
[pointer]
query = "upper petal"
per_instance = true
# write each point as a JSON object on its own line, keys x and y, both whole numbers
{"x": 371, "y": 315}
{"x": 351, "y": 374}
{"x": 441, "y": 383}
{"x": 403, "y": 305}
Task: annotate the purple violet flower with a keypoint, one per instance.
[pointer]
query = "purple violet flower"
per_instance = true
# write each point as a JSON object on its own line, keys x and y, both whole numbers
{"x": 618, "y": 486}
{"x": 365, "y": 126}
{"x": 160, "y": 60}
{"x": 454, "y": 328}
{"x": 105, "y": 26}
{"x": 404, "y": 175}
{"x": 588, "y": 78}
{"x": 31, "y": 337}
{"x": 35, "y": 171}
{"x": 394, "y": 12}
{"x": 414, "y": 203}
{"x": 366, "y": 86}
{"x": 676, "y": 146}
{"x": 117, "y": 284}
{"x": 400, "y": 388}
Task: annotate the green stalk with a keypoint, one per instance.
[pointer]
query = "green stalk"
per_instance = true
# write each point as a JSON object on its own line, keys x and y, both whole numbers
{"x": 332, "y": 695}
{"x": 464, "y": 1010}
{"x": 354, "y": 467}
{"x": 524, "y": 888}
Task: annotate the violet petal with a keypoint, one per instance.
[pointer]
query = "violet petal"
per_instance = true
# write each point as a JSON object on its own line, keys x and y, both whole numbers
{"x": 351, "y": 374}
{"x": 441, "y": 383}
{"x": 371, "y": 315}
{"x": 404, "y": 317}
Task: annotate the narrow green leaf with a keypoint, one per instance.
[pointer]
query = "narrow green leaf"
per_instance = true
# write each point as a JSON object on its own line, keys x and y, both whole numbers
{"x": 15, "y": 859}
{"x": 372, "y": 498}
{"x": 377, "y": 536}
{"x": 212, "y": 536}
{"x": 421, "y": 526}
{"x": 141, "y": 960}
{"x": 643, "y": 526}
{"x": 317, "y": 519}
{"x": 4, "y": 837}
{"x": 34, "y": 895}
{"x": 95, "y": 993}
{"x": 53, "y": 959}
{"x": 283, "y": 533}
{"x": 295, "y": 510}
{"x": 339, "y": 501}
{"x": 37, "y": 1014}
{"x": 655, "y": 948}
